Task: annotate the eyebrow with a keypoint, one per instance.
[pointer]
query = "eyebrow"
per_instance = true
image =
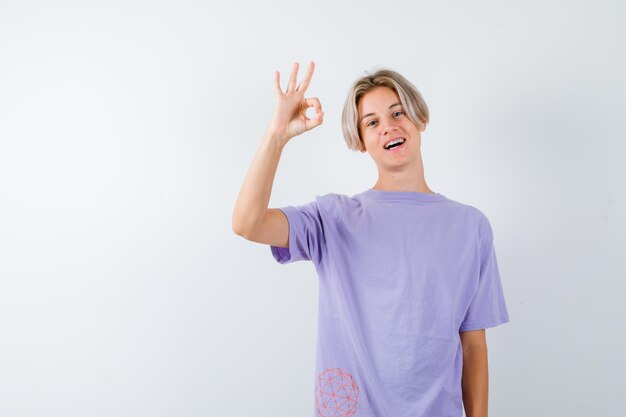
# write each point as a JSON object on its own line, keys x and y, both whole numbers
{"x": 371, "y": 114}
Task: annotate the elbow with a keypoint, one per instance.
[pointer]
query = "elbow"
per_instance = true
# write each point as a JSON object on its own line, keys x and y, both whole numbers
{"x": 243, "y": 225}
{"x": 238, "y": 230}
{"x": 236, "y": 227}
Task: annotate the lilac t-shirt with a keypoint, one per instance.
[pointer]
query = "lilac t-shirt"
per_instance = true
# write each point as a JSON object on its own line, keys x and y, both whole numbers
{"x": 400, "y": 275}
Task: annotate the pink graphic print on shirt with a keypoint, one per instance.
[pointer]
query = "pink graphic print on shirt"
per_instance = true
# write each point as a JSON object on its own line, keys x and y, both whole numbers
{"x": 337, "y": 393}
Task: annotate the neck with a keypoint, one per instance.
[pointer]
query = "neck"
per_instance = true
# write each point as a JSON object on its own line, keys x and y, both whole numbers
{"x": 405, "y": 178}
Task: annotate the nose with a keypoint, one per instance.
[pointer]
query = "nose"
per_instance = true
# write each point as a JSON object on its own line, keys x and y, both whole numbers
{"x": 388, "y": 125}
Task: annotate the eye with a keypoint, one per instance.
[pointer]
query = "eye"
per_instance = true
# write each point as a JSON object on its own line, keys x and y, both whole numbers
{"x": 370, "y": 123}
{"x": 399, "y": 112}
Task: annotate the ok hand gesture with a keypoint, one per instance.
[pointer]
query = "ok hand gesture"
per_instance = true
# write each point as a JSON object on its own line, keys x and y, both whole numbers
{"x": 289, "y": 117}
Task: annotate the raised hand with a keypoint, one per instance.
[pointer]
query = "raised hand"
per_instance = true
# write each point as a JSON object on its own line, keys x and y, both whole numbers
{"x": 289, "y": 117}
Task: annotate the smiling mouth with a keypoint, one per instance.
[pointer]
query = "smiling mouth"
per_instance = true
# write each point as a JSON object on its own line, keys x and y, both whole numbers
{"x": 394, "y": 144}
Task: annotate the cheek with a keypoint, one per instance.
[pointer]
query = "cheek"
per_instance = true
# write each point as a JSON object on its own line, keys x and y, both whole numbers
{"x": 371, "y": 136}
{"x": 411, "y": 128}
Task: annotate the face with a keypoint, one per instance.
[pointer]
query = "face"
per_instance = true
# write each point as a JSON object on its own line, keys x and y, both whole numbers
{"x": 381, "y": 119}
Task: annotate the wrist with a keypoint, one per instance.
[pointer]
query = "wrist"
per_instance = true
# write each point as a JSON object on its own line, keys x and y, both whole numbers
{"x": 276, "y": 138}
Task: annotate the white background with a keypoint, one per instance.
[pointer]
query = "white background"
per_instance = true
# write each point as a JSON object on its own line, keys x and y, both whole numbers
{"x": 127, "y": 127}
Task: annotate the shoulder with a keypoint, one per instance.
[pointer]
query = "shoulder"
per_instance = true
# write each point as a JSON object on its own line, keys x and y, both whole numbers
{"x": 477, "y": 217}
{"x": 472, "y": 212}
{"x": 483, "y": 226}
{"x": 335, "y": 200}
{"x": 327, "y": 203}
{"x": 336, "y": 208}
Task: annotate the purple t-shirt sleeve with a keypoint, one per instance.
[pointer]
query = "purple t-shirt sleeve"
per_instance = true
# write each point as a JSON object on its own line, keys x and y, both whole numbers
{"x": 306, "y": 234}
{"x": 487, "y": 307}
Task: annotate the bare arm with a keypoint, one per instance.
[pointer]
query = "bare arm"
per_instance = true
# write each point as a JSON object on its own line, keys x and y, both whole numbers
{"x": 475, "y": 378}
{"x": 256, "y": 189}
{"x": 251, "y": 217}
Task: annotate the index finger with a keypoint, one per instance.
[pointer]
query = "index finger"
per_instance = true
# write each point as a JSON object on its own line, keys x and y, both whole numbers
{"x": 307, "y": 78}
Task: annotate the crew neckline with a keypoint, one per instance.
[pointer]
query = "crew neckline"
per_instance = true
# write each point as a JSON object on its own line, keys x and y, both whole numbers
{"x": 409, "y": 196}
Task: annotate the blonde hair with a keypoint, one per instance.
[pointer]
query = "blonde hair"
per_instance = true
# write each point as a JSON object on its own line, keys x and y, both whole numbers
{"x": 412, "y": 101}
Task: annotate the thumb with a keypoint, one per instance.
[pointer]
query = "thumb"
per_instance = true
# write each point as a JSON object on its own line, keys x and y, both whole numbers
{"x": 316, "y": 121}
{"x": 319, "y": 113}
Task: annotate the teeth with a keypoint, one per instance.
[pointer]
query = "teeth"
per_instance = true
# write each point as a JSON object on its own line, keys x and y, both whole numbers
{"x": 401, "y": 140}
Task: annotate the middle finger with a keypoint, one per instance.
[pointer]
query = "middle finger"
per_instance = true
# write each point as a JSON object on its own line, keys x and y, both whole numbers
{"x": 307, "y": 78}
{"x": 292, "y": 79}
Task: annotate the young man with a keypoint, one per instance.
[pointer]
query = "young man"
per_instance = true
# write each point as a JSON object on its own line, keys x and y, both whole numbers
{"x": 408, "y": 278}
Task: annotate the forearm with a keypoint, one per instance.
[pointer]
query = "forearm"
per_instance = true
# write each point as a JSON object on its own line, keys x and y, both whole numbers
{"x": 475, "y": 381}
{"x": 256, "y": 189}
